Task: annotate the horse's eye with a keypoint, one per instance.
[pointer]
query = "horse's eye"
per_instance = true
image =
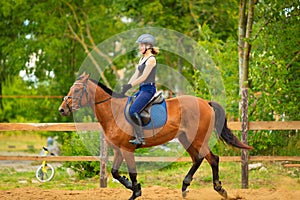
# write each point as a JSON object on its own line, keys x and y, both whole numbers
{"x": 76, "y": 90}
{"x": 65, "y": 98}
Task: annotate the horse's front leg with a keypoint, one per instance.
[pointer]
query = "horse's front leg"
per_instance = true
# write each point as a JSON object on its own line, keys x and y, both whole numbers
{"x": 130, "y": 161}
{"x": 118, "y": 159}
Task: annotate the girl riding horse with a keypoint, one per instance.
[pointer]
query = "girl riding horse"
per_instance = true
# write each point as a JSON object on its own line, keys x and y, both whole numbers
{"x": 190, "y": 119}
{"x": 144, "y": 76}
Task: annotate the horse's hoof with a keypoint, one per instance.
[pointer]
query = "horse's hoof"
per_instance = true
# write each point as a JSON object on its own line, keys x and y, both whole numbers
{"x": 135, "y": 195}
{"x": 184, "y": 193}
{"x": 137, "y": 191}
{"x": 223, "y": 193}
{"x": 220, "y": 190}
{"x": 132, "y": 198}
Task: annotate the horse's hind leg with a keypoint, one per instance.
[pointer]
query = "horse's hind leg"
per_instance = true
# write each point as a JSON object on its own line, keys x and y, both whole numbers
{"x": 213, "y": 160}
{"x": 197, "y": 160}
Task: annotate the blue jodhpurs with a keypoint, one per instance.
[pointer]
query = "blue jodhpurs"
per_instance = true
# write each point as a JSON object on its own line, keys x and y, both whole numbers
{"x": 143, "y": 96}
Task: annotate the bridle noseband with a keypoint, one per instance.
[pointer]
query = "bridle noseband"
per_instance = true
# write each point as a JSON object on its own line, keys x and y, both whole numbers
{"x": 84, "y": 90}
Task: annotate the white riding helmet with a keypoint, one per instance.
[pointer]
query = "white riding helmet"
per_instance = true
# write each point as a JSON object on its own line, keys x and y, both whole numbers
{"x": 146, "y": 39}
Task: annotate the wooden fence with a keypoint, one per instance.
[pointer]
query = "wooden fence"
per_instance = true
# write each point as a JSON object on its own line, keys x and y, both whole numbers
{"x": 149, "y": 159}
{"x": 271, "y": 125}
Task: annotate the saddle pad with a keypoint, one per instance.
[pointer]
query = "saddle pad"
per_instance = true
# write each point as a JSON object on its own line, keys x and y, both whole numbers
{"x": 158, "y": 114}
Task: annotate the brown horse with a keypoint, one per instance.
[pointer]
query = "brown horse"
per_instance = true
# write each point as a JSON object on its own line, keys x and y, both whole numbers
{"x": 190, "y": 119}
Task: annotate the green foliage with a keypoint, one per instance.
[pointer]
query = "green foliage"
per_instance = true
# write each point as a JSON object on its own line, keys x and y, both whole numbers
{"x": 200, "y": 89}
{"x": 224, "y": 55}
{"x": 50, "y": 39}
{"x": 184, "y": 16}
{"x": 29, "y": 109}
{"x": 274, "y": 75}
{"x": 283, "y": 143}
{"x": 73, "y": 145}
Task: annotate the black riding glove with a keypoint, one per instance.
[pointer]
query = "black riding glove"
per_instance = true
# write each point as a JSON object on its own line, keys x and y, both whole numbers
{"x": 125, "y": 88}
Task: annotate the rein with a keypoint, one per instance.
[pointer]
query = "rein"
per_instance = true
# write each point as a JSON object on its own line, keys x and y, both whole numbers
{"x": 99, "y": 102}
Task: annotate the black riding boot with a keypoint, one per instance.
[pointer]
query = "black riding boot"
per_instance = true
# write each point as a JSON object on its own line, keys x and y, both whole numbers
{"x": 139, "y": 133}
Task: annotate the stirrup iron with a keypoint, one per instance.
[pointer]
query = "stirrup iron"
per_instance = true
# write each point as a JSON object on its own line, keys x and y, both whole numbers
{"x": 138, "y": 141}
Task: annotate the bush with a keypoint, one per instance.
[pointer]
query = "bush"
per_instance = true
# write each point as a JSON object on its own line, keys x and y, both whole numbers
{"x": 73, "y": 145}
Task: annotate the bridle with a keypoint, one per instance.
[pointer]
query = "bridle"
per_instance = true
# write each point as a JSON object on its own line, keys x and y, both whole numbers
{"x": 84, "y": 91}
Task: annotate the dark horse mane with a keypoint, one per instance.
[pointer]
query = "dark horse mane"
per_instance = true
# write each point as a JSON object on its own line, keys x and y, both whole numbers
{"x": 108, "y": 90}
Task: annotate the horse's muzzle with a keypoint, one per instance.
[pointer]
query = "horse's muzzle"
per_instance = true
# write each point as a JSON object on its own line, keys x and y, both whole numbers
{"x": 64, "y": 112}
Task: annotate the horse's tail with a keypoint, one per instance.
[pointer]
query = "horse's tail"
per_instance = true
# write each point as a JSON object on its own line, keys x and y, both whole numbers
{"x": 223, "y": 132}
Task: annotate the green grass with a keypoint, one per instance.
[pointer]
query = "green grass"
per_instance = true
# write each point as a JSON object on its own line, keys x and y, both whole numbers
{"x": 10, "y": 179}
{"x": 22, "y": 142}
{"x": 170, "y": 176}
{"x": 230, "y": 176}
{"x": 149, "y": 174}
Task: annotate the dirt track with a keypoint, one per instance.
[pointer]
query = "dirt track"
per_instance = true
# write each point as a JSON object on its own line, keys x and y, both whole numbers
{"x": 151, "y": 193}
{"x": 283, "y": 191}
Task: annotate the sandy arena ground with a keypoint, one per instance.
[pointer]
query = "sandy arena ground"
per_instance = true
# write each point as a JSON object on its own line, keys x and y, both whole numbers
{"x": 152, "y": 193}
{"x": 283, "y": 191}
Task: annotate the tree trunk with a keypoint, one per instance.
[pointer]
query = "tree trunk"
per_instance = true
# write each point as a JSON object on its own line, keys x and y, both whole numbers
{"x": 245, "y": 30}
{"x": 1, "y": 102}
{"x": 242, "y": 33}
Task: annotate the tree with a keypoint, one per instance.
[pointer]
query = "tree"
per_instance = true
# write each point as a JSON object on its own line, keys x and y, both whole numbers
{"x": 13, "y": 33}
{"x": 46, "y": 33}
{"x": 60, "y": 35}
{"x": 245, "y": 30}
{"x": 274, "y": 77}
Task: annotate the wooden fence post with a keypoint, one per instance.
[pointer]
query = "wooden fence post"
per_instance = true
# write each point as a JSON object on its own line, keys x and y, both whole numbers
{"x": 103, "y": 161}
{"x": 245, "y": 128}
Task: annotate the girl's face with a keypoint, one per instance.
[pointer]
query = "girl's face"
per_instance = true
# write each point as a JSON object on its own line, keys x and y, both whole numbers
{"x": 142, "y": 48}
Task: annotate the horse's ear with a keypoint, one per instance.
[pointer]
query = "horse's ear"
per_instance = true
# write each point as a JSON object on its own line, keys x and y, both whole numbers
{"x": 85, "y": 76}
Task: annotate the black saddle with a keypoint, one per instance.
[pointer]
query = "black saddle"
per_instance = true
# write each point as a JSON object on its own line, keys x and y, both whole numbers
{"x": 145, "y": 113}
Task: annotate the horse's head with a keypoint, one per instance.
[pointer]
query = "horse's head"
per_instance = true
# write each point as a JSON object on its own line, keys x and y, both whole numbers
{"x": 77, "y": 97}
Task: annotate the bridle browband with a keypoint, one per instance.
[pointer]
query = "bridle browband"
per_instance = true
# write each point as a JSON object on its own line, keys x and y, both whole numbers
{"x": 84, "y": 90}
